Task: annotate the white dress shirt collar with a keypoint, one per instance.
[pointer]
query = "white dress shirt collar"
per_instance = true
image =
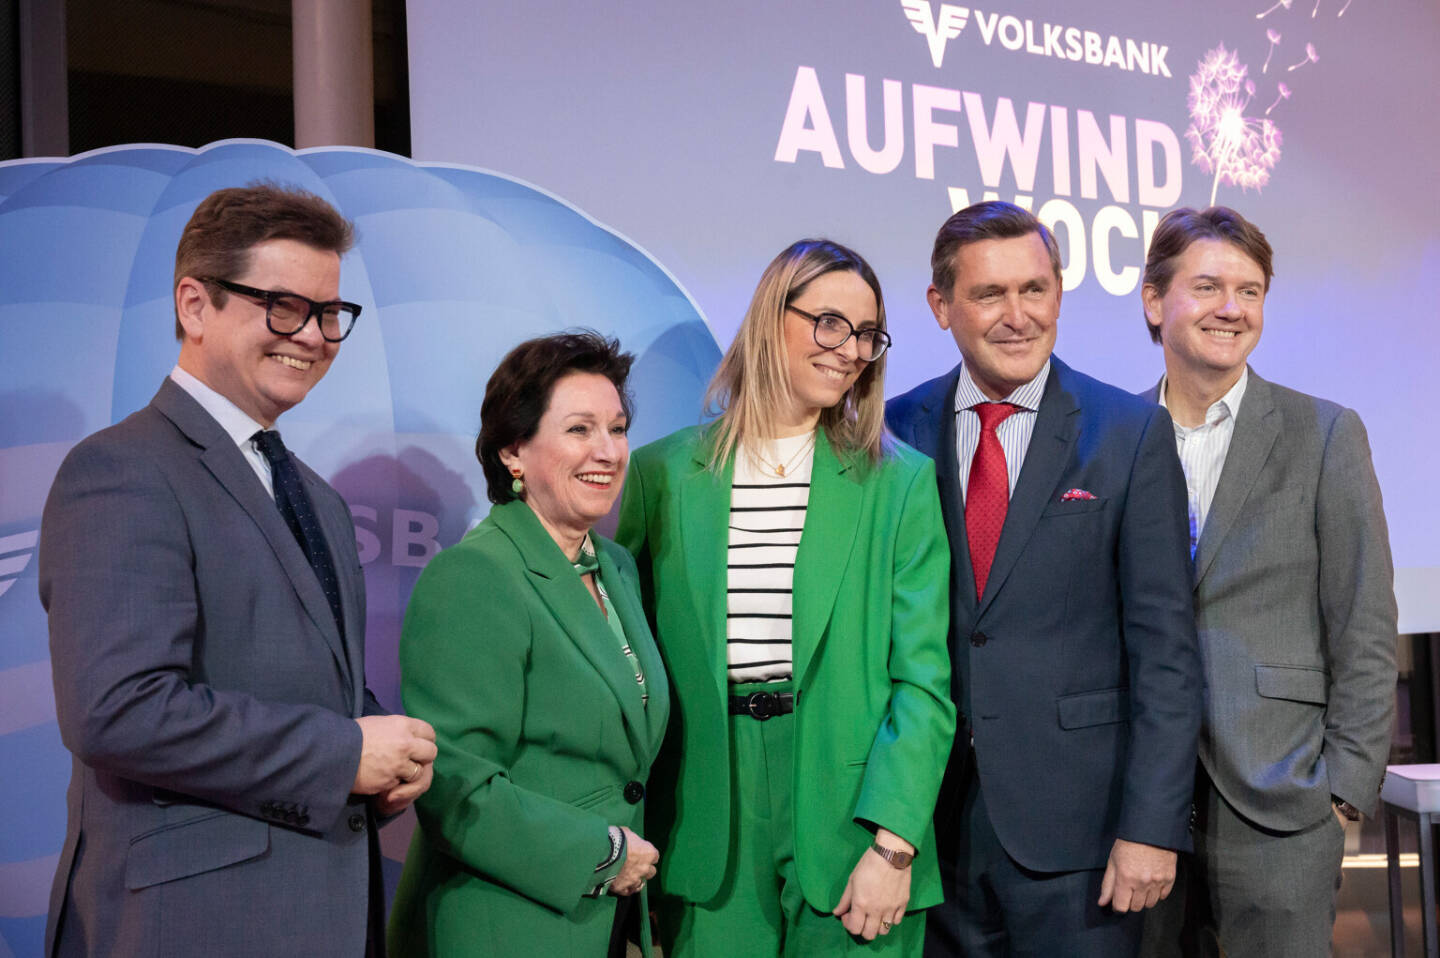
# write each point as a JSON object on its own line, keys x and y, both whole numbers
{"x": 1027, "y": 397}
{"x": 1228, "y": 404}
{"x": 237, "y": 424}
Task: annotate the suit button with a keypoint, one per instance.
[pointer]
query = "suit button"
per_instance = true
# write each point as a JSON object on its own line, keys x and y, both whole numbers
{"x": 357, "y": 823}
{"x": 634, "y": 791}
{"x": 979, "y": 639}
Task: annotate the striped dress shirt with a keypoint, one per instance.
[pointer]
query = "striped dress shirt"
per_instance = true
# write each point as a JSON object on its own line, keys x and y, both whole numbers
{"x": 767, "y": 515}
{"x": 1014, "y": 432}
{"x": 1203, "y": 449}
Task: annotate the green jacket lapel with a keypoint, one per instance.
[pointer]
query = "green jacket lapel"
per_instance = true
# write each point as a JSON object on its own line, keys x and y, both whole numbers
{"x": 705, "y": 536}
{"x": 645, "y": 734}
{"x": 832, "y": 517}
{"x": 554, "y": 580}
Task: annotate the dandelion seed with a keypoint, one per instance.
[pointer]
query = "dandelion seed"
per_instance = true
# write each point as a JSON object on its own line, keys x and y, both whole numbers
{"x": 1284, "y": 95}
{"x": 1344, "y": 8}
{"x": 1278, "y": 5}
{"x": 1274, "y": 37}
{"x": 1310, "y": 56}
{"x": 1316, "y": 10}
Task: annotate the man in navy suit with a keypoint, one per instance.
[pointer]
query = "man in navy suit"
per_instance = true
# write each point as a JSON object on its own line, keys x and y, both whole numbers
{"x": 1072, "y": 638}
{"x": 207, "y": 630}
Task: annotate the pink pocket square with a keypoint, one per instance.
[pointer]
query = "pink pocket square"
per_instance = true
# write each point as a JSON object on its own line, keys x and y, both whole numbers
{"x": 1074, "y": 494}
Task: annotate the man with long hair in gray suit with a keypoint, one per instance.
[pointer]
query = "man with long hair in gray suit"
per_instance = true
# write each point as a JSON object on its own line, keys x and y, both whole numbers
{"x": 1293, "y": 601}
{"x": 207, "y": 630}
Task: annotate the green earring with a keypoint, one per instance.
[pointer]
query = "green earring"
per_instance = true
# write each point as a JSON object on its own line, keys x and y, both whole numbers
{"x": 517, "y": 485}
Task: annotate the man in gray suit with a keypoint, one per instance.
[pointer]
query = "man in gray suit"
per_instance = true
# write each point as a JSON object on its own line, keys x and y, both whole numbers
{"x": 207, "y": 627}
{"x": 1293, "y": 603}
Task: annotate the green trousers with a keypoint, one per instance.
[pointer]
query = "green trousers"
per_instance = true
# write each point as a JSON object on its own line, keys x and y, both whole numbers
{"x": 760, "y": 910}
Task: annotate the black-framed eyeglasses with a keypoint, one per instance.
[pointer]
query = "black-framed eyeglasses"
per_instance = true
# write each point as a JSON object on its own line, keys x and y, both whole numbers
{"x": 287, "y": 313}
{"x": 833, "y": 331}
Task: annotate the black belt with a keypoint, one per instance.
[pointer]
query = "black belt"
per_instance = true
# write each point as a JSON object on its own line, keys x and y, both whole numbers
{"x": 763, "y": 705}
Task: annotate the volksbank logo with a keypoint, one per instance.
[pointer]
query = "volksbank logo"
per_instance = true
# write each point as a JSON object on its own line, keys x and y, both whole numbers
{"x": 936, "y": 32}
{"x": 1040, "y": 39}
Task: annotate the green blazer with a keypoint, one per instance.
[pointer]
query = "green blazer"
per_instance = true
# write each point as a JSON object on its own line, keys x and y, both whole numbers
{"x": 540, "y": 728}
{"x": 873, "y": 720}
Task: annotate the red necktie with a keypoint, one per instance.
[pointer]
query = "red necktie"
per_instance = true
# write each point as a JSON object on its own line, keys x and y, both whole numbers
{"x": 987, "y": 497}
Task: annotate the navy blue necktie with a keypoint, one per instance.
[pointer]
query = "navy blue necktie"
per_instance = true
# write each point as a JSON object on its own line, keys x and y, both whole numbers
{"x": 299, "y": 515}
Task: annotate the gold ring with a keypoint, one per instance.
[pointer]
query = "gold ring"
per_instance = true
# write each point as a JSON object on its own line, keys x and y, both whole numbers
{"x": 884, "y": 924}
{"x": 416, "y": 773}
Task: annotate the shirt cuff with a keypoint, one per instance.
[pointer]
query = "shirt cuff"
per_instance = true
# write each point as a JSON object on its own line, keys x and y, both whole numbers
{"x": 609, "y": 869}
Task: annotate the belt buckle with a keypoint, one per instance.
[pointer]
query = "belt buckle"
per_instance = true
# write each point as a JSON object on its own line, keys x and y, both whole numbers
{"x": 760, "y": 705}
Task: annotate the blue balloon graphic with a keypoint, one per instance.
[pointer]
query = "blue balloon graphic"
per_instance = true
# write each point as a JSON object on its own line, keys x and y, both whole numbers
{"x": 453, "y": 267}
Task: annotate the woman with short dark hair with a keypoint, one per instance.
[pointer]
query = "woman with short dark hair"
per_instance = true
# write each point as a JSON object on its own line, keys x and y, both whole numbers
{"x": 526, "y": 647}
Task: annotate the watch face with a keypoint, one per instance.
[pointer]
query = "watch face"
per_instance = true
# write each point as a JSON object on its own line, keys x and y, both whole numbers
{"x": 896, "y": 858}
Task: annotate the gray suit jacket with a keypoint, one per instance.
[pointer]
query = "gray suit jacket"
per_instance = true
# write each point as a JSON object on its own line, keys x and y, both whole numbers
{"x": 1295, "y": 608}
{"x": 207, "y": 697}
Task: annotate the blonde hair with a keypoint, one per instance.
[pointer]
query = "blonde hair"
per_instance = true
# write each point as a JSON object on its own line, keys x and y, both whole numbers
{"x": 753, "y": 380}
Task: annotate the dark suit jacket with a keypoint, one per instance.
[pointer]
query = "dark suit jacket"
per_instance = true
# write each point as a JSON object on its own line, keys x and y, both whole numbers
{"x": 1295, "y": 603}
{"x": 1077, "y": 669}
{"x": 207, "y": 697}
{"x": 544, "y": 744}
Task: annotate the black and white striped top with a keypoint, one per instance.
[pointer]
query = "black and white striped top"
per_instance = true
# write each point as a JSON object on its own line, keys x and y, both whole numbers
{"x": 767, "y": 515}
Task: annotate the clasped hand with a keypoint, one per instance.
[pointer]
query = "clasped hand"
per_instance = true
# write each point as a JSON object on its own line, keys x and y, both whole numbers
{"x": 396, "y": 753}
{"x": 641, "y": 857}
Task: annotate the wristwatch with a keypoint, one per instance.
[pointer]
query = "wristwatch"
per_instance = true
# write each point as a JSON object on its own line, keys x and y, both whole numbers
{"x": 1345, "y": 808}
{"x": 897, "y": 859}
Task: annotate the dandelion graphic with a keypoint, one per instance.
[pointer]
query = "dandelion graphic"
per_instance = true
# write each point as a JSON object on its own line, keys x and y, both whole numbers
{"x": 1239, "y": 150}
{"x": 1316, "y": 10}
{"x": 1274, "y": 37}
{"x": 1344, "y": 8}
{"x": 1310, "y": 56}
{"x": 1278, "y": 5}
{"x": 1284, "y": 95}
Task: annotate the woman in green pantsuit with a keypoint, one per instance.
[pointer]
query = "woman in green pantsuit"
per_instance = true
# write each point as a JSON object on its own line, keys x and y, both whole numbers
{"x": 526, "y": 647}
{"x": 794, "y": 566}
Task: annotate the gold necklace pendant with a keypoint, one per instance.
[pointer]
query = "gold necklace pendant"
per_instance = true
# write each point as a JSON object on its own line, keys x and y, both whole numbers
{"x": 779, "y": 468}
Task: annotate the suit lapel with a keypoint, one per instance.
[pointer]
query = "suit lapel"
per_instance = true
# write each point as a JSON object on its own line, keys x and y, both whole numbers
{"x": 553, "y": 577}
{"x": 1051, "y": 444}
{"x": 645, "y": 734}
{"x": 225, "y": 462}
{"x": 928, "y": 427}
{"x": 705, "y": 543}
{"x": 336, "y": 526}
{"x": 832, "y": 517}
{"x": 940, "y": 415}
{"x": 1256, "y": 428}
